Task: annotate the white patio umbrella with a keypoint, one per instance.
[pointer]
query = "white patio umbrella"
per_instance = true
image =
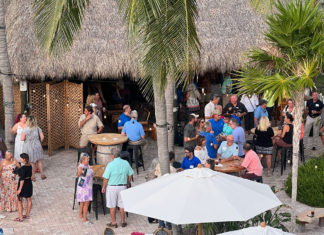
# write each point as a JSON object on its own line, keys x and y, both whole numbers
{"x": 199, "y": 195}
{"x": 267, "y": 230}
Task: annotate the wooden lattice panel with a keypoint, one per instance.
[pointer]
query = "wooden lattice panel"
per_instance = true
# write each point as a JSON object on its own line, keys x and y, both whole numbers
{"x": 74, "y": 109}
{"x": 56, "y": 116}
{"x": 1, "y": 107}
{"x": 37, "y": 98}
{"x": 17, "y": 99}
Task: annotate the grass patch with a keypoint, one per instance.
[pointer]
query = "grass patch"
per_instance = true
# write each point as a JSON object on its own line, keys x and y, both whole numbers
{"x": 310, "y": 185}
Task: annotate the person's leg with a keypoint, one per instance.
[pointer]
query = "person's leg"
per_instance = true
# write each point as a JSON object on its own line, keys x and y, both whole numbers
{"x": 113, "y": 215}
{"x": 316, "y": 129}
{"x": 40, "y": 167}
{"x": 268, "y": 157}
{"x": 122, "y": 215}
{"x": 81, "y": 210}
{"x": 29, "y": 206}
{"x": 33, "y": 171}
{"x": 20, "y": 208}
{"x": 85, "y": 210}
{"x": 249, "y": 176}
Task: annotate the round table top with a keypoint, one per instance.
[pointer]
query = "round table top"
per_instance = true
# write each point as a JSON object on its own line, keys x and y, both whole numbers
{"x": 228, "y": 168}
{"x": 108, "y": 139}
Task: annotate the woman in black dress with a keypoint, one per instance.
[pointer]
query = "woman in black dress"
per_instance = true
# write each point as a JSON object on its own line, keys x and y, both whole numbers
{"x": 25, "y": 187}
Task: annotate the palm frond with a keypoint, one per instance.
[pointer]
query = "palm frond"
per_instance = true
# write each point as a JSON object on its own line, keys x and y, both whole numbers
{"x": 263, "y": 6}
{"x": 165, "y": 37}
{"x": 57, "y": 23}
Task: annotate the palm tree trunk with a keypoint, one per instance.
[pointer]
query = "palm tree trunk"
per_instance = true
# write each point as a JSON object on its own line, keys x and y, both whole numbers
{"x": 6, "y": 80}
{"x": 161, "y": 128}
{"x": 169, "y": 98}
{"x": 299, "y": 103}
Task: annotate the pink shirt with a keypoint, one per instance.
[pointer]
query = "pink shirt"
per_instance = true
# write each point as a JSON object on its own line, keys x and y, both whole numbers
{"x": 252, "y": 163}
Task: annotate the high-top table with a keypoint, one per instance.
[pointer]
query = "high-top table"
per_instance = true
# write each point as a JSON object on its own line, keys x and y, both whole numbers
{"x": 105, "y": 142}
{"x": 227, "y": 167}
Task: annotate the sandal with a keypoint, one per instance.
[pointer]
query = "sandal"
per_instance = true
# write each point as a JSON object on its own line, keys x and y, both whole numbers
{"x": 26, "y": 217}
{"x": 112, "y": 225}
{"x": 18, "y": 220}
{"x": 43, "y": 177}
{"x": 124, "y": 225}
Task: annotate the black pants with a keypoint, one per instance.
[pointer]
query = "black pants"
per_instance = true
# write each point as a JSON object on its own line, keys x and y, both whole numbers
{"x": 249, "y": 121}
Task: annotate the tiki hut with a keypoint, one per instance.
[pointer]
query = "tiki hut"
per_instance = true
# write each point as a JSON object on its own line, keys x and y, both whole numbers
{"x": 225, "y": 28}
{"x": 100, "y": 51}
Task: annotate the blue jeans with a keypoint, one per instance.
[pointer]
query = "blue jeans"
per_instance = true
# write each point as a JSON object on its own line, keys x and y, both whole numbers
{"x": 162, "y": 224}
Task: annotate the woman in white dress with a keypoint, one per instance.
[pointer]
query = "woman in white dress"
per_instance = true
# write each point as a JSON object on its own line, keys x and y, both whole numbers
{"x": 18, "y": 129}
{"x": 200, "y": 150}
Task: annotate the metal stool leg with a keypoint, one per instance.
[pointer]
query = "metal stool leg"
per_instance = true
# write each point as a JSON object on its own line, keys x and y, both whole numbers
{"x": 275, "y": 160}
{"x": 75, "y": 189}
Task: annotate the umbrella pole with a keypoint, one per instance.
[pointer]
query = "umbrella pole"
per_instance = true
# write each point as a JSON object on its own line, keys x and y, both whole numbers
{"x": 199, "y": 229}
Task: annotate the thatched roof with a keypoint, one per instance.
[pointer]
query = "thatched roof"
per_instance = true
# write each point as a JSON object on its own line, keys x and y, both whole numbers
{"x": 226, "y": 29}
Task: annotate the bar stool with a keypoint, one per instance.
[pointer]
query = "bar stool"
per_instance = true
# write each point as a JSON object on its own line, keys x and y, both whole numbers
{"x": 259, "y": 179}
{"x": 136, "y": 147}
{"x": 286, "y": 153}
{"x": 95, "y": 189}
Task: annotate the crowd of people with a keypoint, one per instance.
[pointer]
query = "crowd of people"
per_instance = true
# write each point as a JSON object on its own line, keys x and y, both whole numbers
{"x": 18, "y": 170}
{"x": 220, "y": 135}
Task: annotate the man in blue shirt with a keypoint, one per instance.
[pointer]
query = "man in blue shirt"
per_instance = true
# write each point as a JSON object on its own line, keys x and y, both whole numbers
{"x": 133, "y": 129}
{"x": 211, "y": 142}
{"x": 217, "y": 122}
{"x": 228, "y": 149}
{"x": 118, "y": 175}
{"x": 190, "y": 161}
{"x": 124, "y": 117}
{"x": 239, "y": 136}
{"x": 260, "y": 111}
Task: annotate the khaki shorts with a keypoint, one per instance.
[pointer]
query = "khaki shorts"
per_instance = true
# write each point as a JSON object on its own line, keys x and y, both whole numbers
{"x": 84, "y": 140}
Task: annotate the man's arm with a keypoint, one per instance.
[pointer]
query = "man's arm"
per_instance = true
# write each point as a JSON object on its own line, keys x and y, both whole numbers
{"x": 100, "y": 130}
{"x": 104, "y": 185}
{"x": 81, "y": 123}
{"x": 188, "y": 139}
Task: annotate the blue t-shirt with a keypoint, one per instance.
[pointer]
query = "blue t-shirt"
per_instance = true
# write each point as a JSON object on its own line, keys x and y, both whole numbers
{"x": 188, "y": 164}
{"x": 210, "y": 142}
{"x": 238, "y": 119}
{"x": 227, "y": 130}
{"x": 122, "y": 119}
{"x": 259, "y": 112}
{"x": 239, "y": 139}
{"x": 134, "y": 130}
{"x": 217, "y": 126}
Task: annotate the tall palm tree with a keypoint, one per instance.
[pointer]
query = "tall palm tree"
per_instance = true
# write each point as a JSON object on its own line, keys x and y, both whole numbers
{"x": 163, "y": 33}
{"x": 288, "y": 64}
{"x": 6, "y": 80}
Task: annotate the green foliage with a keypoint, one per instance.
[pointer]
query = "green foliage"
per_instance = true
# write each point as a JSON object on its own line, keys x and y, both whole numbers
{"x": 293, "y": 56}
{"x": 275, "y": 219}
{"x": 57, "y": 23}
{"x": 310, "y": 189}
{"x": 165, "y": 38}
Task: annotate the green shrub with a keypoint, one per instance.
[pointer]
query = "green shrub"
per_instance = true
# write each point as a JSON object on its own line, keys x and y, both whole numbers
{"x": 310, "y": 185}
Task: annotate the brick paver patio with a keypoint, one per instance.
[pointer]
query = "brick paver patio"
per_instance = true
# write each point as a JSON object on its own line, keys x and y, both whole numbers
{"x": 52, "y": 200}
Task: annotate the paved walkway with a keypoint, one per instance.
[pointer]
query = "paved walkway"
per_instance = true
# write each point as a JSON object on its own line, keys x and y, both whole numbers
{"x": 52, "y": 200}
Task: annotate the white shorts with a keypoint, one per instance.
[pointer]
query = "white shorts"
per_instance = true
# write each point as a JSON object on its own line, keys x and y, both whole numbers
{"x": 113, "y": 196}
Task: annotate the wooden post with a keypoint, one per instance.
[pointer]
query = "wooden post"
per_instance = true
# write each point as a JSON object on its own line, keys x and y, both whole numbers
{"x": 66, "y": 111}
{"x": 48, "y": 109}
{"x": 199, "y": 229}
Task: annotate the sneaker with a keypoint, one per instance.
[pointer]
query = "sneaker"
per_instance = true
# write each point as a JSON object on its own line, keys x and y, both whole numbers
{"x": 88, "y": 222}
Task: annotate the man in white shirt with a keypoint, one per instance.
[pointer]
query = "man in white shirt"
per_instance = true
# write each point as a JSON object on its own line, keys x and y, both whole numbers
{"x": 250, "y": 103}
{"x": 210, "y": 107}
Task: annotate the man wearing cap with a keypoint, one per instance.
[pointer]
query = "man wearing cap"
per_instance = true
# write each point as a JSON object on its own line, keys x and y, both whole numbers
{"x": 217, "y": 122}
{"x": 189, "y": 134}
{"x": 260, "y": 111}
{"x": 124, "y": 117}
{"x": 190, "y": 161}
{"x": 89, "y": 124}
{"x": 211, "y": 141}
{"x": 210, "y": 107}
{"x": 236, "y": 108}
{"x": 133, "y": 129}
